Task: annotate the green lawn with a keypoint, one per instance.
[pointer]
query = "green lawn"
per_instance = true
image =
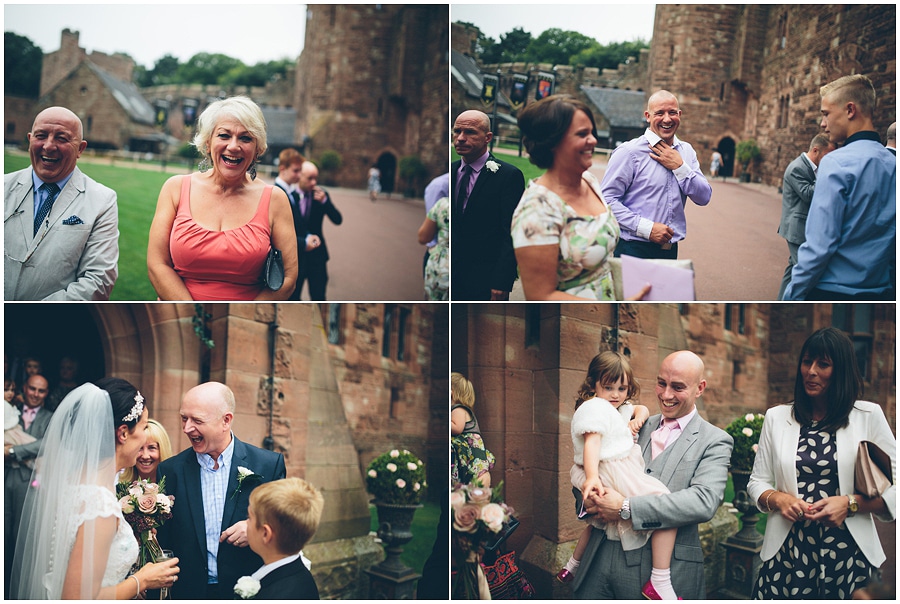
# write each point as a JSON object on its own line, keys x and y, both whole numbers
{"x": 529, "y": 170}
{"x": 137, "y": 191}
{"x": 424, "y": 530}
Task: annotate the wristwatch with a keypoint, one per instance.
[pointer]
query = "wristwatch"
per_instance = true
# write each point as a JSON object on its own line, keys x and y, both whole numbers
{"x": 852, "y": 505}
{"x": 625, "y": 511}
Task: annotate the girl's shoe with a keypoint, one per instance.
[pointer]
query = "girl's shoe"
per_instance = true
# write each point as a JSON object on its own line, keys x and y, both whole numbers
{"x": 564, "y": 576}
{"x": 649, "y": 591}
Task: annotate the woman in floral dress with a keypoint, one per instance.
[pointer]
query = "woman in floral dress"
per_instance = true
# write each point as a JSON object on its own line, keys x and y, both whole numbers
{"x": 562, "y": 230}
{"x": 820, "y": 540}
{"x": 437, "y": 269}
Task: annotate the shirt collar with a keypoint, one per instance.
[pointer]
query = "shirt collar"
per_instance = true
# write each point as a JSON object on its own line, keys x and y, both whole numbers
{"x": 206, "y": 461}
{"x": 284, "y": 185}
{"x": 653, "y": 138}
{"x": 266, "y": 569}
{"x": 863, "y": 135}
{"x": 37, "y": 182}
{"x": 478, "y": 164}
{"x": 684, "y": 420}
{"x": 812, "y": 164}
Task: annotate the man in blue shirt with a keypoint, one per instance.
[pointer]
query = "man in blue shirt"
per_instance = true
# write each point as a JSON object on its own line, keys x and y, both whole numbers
{"x": 849, "y": 253}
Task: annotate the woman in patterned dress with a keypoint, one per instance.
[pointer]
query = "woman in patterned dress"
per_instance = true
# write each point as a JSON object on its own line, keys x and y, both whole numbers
{"x": 820, "y": 540}
{"x": 562, "y": 230}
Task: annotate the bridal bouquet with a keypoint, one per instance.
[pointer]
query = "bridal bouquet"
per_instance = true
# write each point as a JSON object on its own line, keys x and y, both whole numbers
{"x": 481, "y": 521}
{"x": 145, "y": 507}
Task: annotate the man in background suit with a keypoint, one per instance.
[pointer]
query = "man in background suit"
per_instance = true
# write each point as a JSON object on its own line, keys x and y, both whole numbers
{"x": 290, "y": 165}
{"x": 484, "y": 194}
{"x": 212, "y": 482}
{"x": 693, "y": 464}
{"x": 61, "y": 229}
{"x": 315, "y": 204}
{"x": 18, "y": 461}
{"x": 796, "y": 194}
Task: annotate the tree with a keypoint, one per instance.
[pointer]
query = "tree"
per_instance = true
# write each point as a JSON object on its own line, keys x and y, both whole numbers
{"x": 514, "y": 45}
{"x": 557, "y": 46}
{"x": 206, "y": 68}
{"x": 610, "y": 55}
{"x": 22, "y": 66}
{"x": 257, "y": 75}
{"x": 164, "y": 72}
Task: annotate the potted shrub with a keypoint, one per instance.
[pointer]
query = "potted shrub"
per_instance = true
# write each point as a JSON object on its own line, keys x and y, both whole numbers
{"x": 747, "y": 151}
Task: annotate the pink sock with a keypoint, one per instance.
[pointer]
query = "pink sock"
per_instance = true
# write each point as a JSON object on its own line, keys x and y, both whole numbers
{"x": 661, "y": 579}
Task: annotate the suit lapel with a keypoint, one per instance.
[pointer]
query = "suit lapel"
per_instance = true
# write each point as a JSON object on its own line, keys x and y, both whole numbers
{"x": 238, "y": 458}
{"x": 194, "y": 497}
{"x": 669, "y": 460}
{"x": 24, "y": 204}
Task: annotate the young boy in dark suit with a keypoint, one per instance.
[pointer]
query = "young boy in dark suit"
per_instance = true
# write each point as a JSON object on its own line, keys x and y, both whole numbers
{"x": 282, "y": 518}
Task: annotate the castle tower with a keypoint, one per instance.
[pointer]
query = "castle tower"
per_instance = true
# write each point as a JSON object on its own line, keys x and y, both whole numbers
{"x": 372, "y": 85}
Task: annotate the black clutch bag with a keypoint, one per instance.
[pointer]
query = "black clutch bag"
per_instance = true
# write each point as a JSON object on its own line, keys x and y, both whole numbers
{"x": 273, "y": 271}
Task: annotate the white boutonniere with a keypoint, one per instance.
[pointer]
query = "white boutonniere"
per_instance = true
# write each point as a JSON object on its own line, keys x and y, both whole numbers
{"x": 246, "y": 587}
{"x": 244, "y": 474}
{"x": 491, "y": 165}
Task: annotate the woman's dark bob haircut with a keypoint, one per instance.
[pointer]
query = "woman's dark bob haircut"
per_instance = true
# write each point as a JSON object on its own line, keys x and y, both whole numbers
{"x": 845, "y": 386}
{"x": 544, "y": 123}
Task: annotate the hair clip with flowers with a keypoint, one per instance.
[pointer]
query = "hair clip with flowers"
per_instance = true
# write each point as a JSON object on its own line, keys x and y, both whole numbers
{"x": 137, "y": 409}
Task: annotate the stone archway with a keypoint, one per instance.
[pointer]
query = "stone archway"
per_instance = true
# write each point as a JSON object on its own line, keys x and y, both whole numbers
{"x": 387, "y": 165}
{"x": 726, "y": 148}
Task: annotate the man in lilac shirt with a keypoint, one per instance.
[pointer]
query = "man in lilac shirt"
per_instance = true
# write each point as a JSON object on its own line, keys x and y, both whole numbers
{"x": 648, "y": 181}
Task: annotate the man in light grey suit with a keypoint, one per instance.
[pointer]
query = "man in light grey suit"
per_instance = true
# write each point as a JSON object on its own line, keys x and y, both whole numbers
{"x": 18, "y": 461}
{"x": 693, "y": 464}
{"x": 61, "y": 229}
{"x": 796, "y": 194}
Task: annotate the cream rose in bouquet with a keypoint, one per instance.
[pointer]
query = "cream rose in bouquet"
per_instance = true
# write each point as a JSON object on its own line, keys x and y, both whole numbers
{"x": 145, "y": 507}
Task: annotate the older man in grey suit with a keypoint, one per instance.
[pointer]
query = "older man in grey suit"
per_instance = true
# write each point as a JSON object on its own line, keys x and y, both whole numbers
{"x": 61, "y": 229}
{"x": 796, "y": 194}
{"x": 690, "y": 456}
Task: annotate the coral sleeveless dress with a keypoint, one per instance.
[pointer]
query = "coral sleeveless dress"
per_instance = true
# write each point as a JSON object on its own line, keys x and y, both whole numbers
{"x": 220, "y": 265}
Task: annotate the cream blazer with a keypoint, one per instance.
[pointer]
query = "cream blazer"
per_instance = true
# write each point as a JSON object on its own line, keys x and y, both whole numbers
{"x": 775, "y": 468}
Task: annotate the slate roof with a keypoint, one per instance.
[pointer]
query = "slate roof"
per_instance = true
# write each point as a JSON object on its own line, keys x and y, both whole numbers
{"x": 466, "y": 72}
{"x": 621, "y": 108}
{"x": 128, "y": 96}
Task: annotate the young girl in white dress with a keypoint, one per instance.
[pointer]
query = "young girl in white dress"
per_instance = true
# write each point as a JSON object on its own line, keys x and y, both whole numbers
{"x": 604, "y": 429}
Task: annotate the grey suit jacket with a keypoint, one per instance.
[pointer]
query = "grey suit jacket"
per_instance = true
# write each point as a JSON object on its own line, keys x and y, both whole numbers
{"x": 63, "y": 261}
{"x": 797, "y": 193}
{"x": 695, "y": 468}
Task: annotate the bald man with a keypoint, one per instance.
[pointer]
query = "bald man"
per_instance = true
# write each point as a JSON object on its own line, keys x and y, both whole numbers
{"x": 484, "y": 193}
{"x": 61, "y": 228}
{"x": 691, "y": 458}
{"x": 648, "y": 181}
{"x": 208, "y": 529}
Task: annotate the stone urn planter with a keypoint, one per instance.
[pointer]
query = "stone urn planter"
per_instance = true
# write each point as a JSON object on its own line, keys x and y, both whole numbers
{"x": 394, "y": 522}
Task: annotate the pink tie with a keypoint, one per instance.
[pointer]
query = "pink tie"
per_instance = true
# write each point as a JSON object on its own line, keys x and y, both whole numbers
{"x": 659, "y": 438}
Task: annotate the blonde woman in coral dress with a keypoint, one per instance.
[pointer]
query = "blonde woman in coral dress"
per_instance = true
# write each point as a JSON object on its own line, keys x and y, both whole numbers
{"x": 213, "y": 229}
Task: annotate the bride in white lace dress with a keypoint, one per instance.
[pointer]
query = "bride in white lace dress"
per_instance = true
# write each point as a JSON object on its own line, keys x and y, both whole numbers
{"x": 73, "y": 541}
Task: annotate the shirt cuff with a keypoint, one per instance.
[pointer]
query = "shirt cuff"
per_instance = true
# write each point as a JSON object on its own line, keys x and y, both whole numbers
{"x": 644, "y": 228}
{"x": 682, "y": 171}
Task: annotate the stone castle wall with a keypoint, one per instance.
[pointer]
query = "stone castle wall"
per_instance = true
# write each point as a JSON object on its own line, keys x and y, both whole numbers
{"x": 372, "y": 81}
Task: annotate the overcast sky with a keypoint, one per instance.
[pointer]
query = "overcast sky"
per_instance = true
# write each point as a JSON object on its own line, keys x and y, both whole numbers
{"x": 249, "y": 32}
{"x": 604, "y": 22}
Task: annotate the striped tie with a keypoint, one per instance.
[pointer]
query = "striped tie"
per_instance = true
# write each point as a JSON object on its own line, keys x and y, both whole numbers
{"x": 51, "y": 190}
